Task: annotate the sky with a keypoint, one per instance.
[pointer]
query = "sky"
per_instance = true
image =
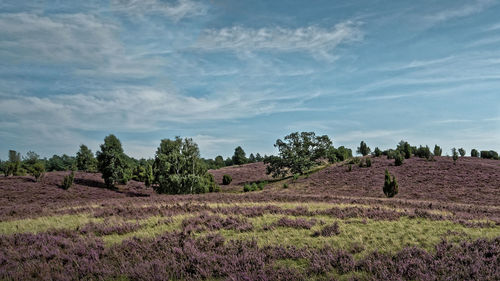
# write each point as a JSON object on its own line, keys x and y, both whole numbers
{"x": 245, "y": 73}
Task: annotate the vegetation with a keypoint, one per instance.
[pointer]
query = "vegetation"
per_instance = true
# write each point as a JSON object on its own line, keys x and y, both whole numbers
{"x": 454, "y": 154}
{"x": 178, "y": 168}
{"x": 423, "y": 152}
{"x": 437, "y": 150}
{"x": 226, "y": 179}
{"x": 363, "y": 149}
{"x": 112, "y": 162}
{"x": 491, "y": 154}
{"x": 390, "y": 186}
{"x": 37, "y": 170}
{"x": 85, "y": 160}
{"x": 239, "y": 156}
{"x": 298, "y": 153}
{"x": 68, "y": 181}
{"x": 398, "y": 158}
{"x": 474, "y": 153}
{"x": 461, "y": 151}
{"x": 377, "y": 152}
{"x": 405, "y": 149}
{"x": 254, "y": 186}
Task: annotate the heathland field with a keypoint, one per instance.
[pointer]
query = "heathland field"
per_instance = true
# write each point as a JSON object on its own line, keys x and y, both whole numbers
{"x": 331, "y": 223}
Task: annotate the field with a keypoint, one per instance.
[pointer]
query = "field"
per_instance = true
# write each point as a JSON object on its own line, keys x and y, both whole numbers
{"x": 332, "y": 224}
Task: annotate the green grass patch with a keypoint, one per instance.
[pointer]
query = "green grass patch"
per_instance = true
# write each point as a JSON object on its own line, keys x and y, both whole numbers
{"x": 384, "y": 236}
{"x": 42, "y": 224}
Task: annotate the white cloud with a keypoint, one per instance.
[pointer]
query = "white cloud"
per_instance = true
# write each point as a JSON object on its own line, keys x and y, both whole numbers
{"x": 63, "y": 38}
{"x": 314, "y": 39}
{"x": 176, "y": 11}
{"x": 463, "y": 11}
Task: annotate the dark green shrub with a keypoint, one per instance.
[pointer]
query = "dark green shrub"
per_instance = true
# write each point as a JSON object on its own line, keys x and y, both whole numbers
{"x": 398, "y": 159}
{"x": 377, "y": 152}
{"x": 405, "y": 149}
{"x": 219, "y": 162}
{"x": 454, "y": 154}
{"x": 368, "y": 162}
{"x": 437, "y": 150}
{"x": 474, "y": 153}
{"x": 68, "y": 181}
{"x": 85, "y": 160}
{"x": 390, "y": 186}
{"x": 363, "y": 149}
{"x": 247, "y": 188}
{"x": 285, "y": 185}
{"x": 262, "y": 184}
{"x": 37, "y": 170}
{"x": 489, "y": 154}
{"x": 212, "y": 186}
{"x": 462, "y": 152}
{"x": 239, "y": 157}
{"x": 423, "y": 152}
{"x": 296, "y": 177}
{"x": 226, "y": 179}
{"x": 349, "y": 168}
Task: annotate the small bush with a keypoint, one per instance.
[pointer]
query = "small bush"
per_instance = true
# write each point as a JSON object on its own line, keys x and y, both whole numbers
{"x": 390, "y": 186}
{"x": 437, "y": 150}
{"x": 226, "y": 179}
{"x": 68, "y": 181}
{"x": 474, "y": 153}
{"x": 37, "y": 170}
{"x": 398, "y": 159}
{"x": 423, "y": 152}
{"x": 349, "y": 168}
{"x": 368, "y": 162}
{"x": 285, "y": 185}
{"x": 327, "y": 231}
{"x": 377, "y": 152}
{"x": 454, "y": 155}
{"x": 462, "y": 152}
{"x": 262, "y": 184}
{"x": 296, "y": 177}
{"x": 254, "y": 186}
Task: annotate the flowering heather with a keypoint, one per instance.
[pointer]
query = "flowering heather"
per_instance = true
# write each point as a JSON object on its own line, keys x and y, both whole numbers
{"x": 299, "y": 223}
{"x": 329, "y": 230}
{"x": 206, "y": 221}
{"x": 107, "y": 228}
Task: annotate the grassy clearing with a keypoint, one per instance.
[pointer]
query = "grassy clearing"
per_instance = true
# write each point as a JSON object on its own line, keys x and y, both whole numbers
{"x": 42, "y": 224}
{"x": 383, "y": 236}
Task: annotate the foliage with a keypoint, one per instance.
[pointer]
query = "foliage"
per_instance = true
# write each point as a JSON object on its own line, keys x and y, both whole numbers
{"x": 454, "y": 154}
{"x": 474, "y": 153}
{"x": 62, "y": 163}
{"x": 405, "y": 149}
{"x": 349, "y": 167}
{"x": 338, "y": 154}
{"x": 178, "y": 168}
{"x": 363, "y": 149}
{"x": 368, "y": 162}
{"x": 37, "y": 170}
{"x": 390, "y": 186}
{"x": 489, "y": 154}
{"x": 423, "y": 152}
{"x": 226, "y": 179}
{"x": 239, "y": 157}
{"x": 297, "y": 153}
{"x": 219, "y": 162}
{"x": 254, "y": 186}
{"x": 112, "y": 162}
{"x": 251, "y": 158}
{"x": 437, "y": 150}
{"x": 143, "y": 173}
{"x": 13, "y": 166}
{"x": 258, "y": 158}
{"x": 68, "y": 181}
{"x": 285, "y": 185}
{"x": 228, "y": 162}
{"x": 461, "y": 151}
{"x": 85, "y": 160}
{"x": 377, "y": 152}
{"x": 398, "y": 158}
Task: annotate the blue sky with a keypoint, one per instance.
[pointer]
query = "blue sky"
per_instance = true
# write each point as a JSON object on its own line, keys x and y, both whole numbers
{"x": 229, "y": 73}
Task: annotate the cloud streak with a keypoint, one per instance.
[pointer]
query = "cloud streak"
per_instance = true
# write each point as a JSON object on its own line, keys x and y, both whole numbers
{"x": 178, "y": 11}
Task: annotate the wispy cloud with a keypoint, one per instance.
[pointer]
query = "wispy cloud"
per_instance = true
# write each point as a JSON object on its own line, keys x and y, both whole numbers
{"x": 313, "y": 39}
{"x": 459, "y": 12}
{"x": 175, "y": 11}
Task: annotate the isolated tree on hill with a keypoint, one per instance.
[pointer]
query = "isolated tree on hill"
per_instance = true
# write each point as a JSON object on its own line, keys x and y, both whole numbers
{"x": 85, "y": 160}
{"x": 297, "y": 153}
{"x": 377, "y": 152}
{"x": 251, "y": 158}
{"x": 474, "y": 153}
{"x": 178, "y": 168}
{"x": 112, "y": 162}
{"x": 239, "y": 157}
{"x": 363, "y": 149}
{"x": 454, "y": 155}
{"x": 462, "y": 152}
{"x": 437, "y": 150}
{"x": 390, "y": 186}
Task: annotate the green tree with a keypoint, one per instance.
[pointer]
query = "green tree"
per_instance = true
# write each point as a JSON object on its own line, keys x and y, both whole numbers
{"x": 226, "y": 179}
{"x": 398, "y": 158}
{"x": 14, "y": 164}
{"x": 37, "y": 170}
{"x": 437, "y": 150}
{"x": 474, "y": 153}
{"x": 405, "y": 149}
{"x": 258, "y": 157}
{"x": 377, "y": 152}
{"x": 178, "y": 168}
{"x": 423, "y": 152}
{"x": 297, "y": 153}
{"x": 219, "y": 162}
{"x": 462, "y": 152}
{"x": 85, "y": 160}
{"x": 112, "y": 162}
{"x": 363, "y": 149}
{"x": 239, "y": 157}
{"x": 454, "y": 155}
{"x": 390, "y": 186}
{"x": 251, "y": 158}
